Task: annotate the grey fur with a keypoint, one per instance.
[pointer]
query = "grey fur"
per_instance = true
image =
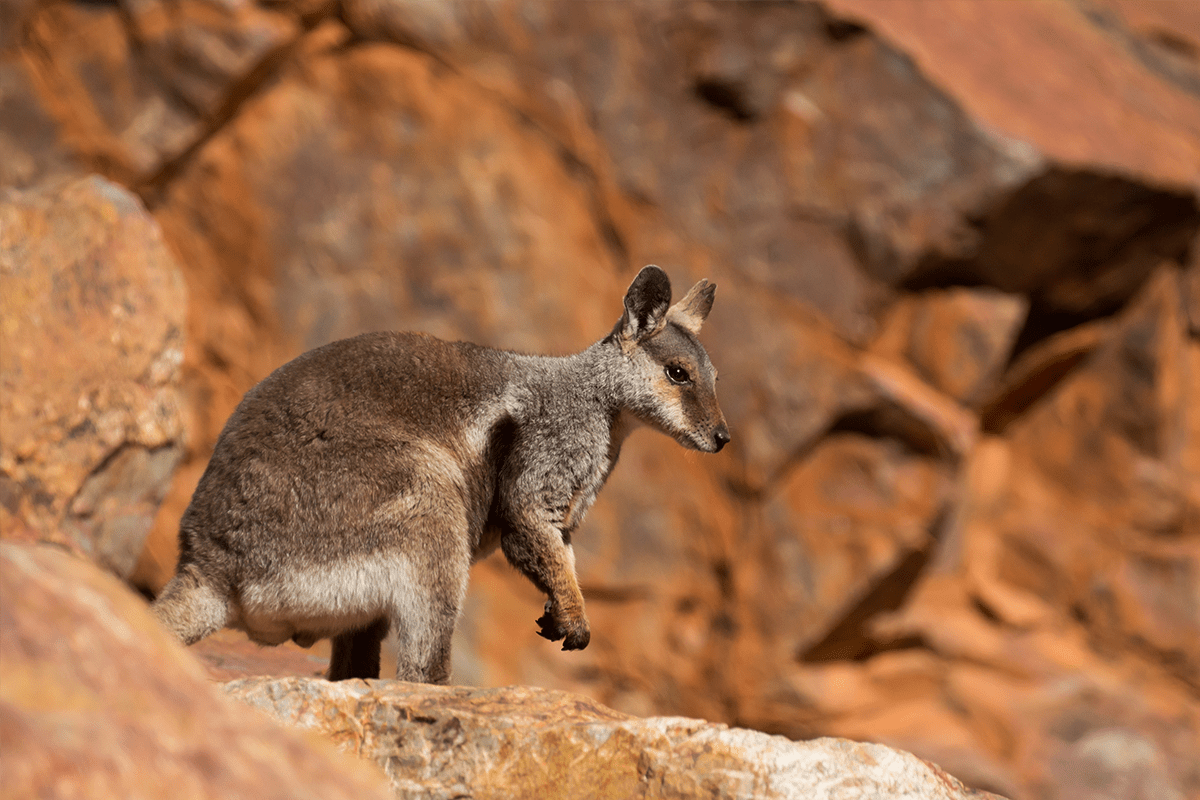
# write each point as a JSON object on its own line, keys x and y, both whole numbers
{"x": 353, "y": 488}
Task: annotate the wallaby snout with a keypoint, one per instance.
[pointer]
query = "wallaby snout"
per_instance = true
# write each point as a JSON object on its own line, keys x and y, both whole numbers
{"x": 713, "y": 442}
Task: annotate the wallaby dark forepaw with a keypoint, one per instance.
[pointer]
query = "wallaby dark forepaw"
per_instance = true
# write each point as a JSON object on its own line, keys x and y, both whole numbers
{"x": 549, "y": 628}
{"x": 575, "y": 637}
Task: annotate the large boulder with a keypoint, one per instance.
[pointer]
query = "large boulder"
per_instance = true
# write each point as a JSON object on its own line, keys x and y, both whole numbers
{"x": 1115, "y": 58}
{"x": 1094, "y": 94}
{"x": 1099, "y": 515}
{"x": 126, "y": 89}
{"x": 98, "y": 700}
{"x": 93, "y": 308}
{"x": 1067, "y": 574}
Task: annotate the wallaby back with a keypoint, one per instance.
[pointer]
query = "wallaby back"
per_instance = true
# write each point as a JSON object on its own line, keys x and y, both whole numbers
{"x": 351, "y": 489}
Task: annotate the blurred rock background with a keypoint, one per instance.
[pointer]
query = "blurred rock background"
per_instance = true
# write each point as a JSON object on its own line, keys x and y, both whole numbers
{"x": 958, "y": 329}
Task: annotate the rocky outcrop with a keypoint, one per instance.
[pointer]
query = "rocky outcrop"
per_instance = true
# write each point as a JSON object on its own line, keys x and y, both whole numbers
{"x": 93, "y": 308}
{"x": 956, "y": 327}
{"x": 118, "y": 709}
{"x": 97, "y": 700}
{"x": 458, "y": 742}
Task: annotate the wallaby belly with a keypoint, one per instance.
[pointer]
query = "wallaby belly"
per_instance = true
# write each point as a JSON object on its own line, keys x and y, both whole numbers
{"x": 318, "y": 601}
{"x": 339, "y": 553}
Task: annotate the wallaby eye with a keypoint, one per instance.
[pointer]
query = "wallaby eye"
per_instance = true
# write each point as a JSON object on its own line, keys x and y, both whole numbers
{"x": 678, "y": 374}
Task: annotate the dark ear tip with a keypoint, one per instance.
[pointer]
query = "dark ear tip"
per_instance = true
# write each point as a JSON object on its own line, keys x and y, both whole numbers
{"x": 651, "y": 274}
{"x": 652, "y": 281}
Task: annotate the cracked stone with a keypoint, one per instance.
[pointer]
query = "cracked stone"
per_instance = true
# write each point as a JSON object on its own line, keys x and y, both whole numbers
{"x": 93, "y": 303}
{"x": 503, "y": 742}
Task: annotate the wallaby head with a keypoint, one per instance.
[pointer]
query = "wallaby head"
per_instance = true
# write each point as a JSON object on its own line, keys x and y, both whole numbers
{"x": 670, "y": 381}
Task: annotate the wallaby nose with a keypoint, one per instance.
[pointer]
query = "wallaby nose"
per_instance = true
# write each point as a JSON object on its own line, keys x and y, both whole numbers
{"x": 722, "y": 438}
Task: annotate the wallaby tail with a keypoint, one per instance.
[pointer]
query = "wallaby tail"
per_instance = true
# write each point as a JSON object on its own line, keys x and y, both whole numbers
{"x": 190, "y": 608}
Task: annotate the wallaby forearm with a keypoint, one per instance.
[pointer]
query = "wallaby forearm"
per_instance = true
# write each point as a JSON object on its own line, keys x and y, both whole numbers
{"x": 539, "y": 551}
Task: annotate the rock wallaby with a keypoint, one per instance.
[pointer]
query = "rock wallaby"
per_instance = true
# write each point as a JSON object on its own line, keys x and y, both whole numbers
{"x": 352, "y": 489}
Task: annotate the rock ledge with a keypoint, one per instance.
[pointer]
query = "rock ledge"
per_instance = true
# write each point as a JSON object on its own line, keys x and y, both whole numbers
{"x": 443, "y": 742}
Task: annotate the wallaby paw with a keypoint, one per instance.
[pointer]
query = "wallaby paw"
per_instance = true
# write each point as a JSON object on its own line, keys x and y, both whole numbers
{"x": 575, "y": 633}
{"x": 577, "y": 639}
{"x": 549, "y": 628}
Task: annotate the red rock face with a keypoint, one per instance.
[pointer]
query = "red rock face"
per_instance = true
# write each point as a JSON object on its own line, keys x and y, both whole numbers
{"x": 956, "y": 326}
{"x": 93, "y": 308}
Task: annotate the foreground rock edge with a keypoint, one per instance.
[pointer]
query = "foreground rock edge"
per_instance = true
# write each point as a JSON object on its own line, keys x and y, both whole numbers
{"x": 435, "y": 740}
{"x": 97, "y": 700}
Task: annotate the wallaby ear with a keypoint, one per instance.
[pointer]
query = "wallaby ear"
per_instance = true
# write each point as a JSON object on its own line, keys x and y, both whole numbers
{"x": 690, "y": 312}
{"x": 646, "y": 304}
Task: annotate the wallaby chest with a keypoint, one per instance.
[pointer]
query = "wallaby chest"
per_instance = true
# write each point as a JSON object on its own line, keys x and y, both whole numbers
{"x": 607, "y": 451}
{"x": 567, "y": 443}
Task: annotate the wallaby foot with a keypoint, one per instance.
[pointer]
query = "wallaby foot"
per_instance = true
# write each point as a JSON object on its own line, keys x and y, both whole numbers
{"x": 574, "y": 633}
{"x": 190, "y": 608}
{"x": 438, "y": 669}
{"x": 540, "y": 552}
{"x": 356, "y": 654}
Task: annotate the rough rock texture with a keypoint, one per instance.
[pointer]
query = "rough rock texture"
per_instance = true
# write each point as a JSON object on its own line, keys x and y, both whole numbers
{"x": 959, "y": 340}
{"x": 126, "y": 89}
{"x": 1096, "y": 82}
{"x": 93, "y": 314}
{"x": 517, "y": 741}
{"x": 97, "y": 701}
{"x": 115, "y": 708}
{"x": 957, "y": 325}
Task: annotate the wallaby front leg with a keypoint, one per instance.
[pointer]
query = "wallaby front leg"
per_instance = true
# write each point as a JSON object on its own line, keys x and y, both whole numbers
{"x": 541, "y": 554}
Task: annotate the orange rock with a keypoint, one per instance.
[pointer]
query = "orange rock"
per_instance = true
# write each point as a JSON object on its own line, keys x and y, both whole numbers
{"x": 786, "y": 378}
{"x": 1191, "y": 291}
{"x": 1035, "y": 372}
{"x": 959, "y": 339}
{"x": 229, "y": 654}
{"x": 841, "y": 539}
{"x": 93, "y": 308}
{"x": 98, "y": 700}
{"x": 131, "y": 90}
{"x": 1139, "y": 120}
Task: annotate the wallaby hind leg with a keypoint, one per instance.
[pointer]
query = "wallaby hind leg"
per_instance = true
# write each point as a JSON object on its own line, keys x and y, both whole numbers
{"x": 438, "y": 669}
{"x": 423, "y": 650}
{"x": 356, "y": 654}
{"x": 190, "y": 608}
{"x": 423, "y": 643}
{"x": 425, "y": 630}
